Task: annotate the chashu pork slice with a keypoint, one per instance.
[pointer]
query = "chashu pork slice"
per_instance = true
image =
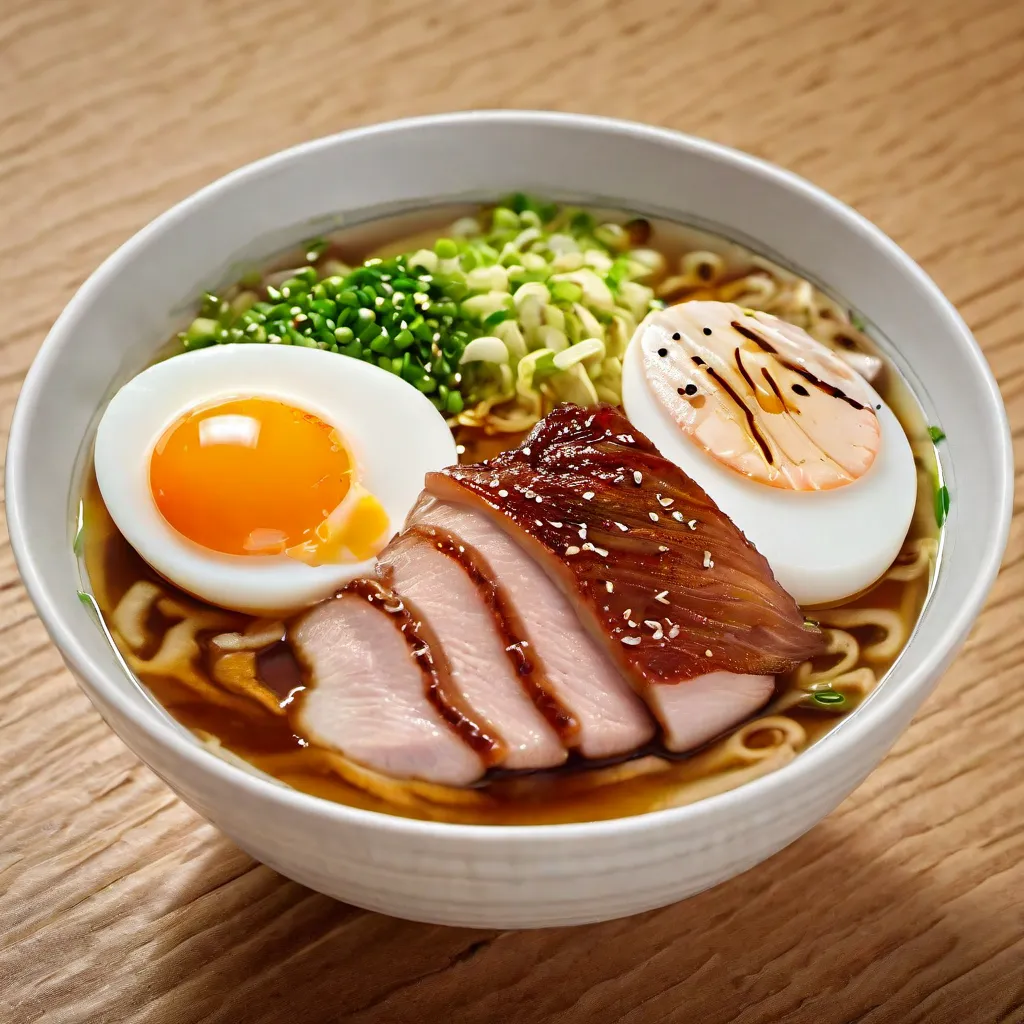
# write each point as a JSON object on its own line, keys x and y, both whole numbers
{"x": 609, "y": 718}
{"x": 667, "y": 585}
{"x": 370, "y": 696}
{"x": 699, "y": 710}
{"x": 482, "y": 665}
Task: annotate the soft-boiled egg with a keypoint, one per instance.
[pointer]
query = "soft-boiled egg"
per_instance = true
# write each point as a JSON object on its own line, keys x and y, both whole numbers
{"x": 263, "y": 478}
{"x": 790, "y": 442}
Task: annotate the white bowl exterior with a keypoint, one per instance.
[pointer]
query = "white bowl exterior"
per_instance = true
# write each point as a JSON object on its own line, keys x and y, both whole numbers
{"x": 473, "y": 875}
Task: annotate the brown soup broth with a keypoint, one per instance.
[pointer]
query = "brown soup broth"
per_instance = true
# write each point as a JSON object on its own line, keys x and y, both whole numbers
{"x": 261, "y": 732}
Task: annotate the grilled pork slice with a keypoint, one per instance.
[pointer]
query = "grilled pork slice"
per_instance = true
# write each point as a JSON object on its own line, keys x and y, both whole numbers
{"x": 658, "y": 574}
{"x": 694, "y": 712}
{"x": 435, "y": 579}
{"x": 371, "y": 692}
{"x": 609, "y": 719}
{"x": 663, "y": 578}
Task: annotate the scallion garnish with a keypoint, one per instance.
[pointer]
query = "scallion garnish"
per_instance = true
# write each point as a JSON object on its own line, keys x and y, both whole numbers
{"x": 534, "y": 278}
{"x": 941, "y": 505}
{"x": 828, "y": 698}
{"x": 936, "y": 434}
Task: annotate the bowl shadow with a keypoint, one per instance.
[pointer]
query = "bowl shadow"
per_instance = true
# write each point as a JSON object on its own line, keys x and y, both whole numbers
{"x": 833, "y": 929}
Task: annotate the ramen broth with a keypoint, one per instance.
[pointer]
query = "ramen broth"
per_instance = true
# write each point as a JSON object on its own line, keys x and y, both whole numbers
{"x": 866, "y": 635}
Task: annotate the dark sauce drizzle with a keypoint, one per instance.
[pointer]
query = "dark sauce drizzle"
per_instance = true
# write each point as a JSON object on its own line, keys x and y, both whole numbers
{"x": 799, "y": 370}
{"x": 752, "y": 425}
{"x": 429, "y": 655}
{"x": 510, "y": 628}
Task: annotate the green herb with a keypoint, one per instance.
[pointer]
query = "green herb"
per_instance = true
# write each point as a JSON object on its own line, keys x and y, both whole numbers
{"x": 941, "y": 505}
{"x": 499, "y": 316}
{"x": 936, "y": 434}
{"x": 315, "y": 249}
{"x": 828, "y": 698}
{"x": 79, "y": 543}
{"x": 858, "y": 321}
{"x": 414, "y": 314}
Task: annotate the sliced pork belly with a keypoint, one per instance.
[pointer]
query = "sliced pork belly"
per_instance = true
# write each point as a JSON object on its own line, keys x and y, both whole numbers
{"x": 610, "y": 719}
{"x": 658, "y": 573}
{"x": 482, "y": 671}
{"x": 700, "y": 709}
{"x": 370, "y": 698}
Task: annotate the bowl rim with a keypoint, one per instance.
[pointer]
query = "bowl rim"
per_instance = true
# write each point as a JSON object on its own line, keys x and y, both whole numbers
{"x": 166, "y": 733}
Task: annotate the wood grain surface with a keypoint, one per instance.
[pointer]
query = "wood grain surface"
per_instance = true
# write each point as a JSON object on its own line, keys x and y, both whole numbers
{"x": 117, "y": 903}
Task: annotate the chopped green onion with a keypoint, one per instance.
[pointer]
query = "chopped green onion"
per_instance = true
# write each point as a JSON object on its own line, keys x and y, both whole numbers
{"x": 446, "y": 249}
{"x": 936, "y": 434}
{"x": 502, "y": 294}
{"x": 941, "y": 505}
{"x": 828, "y": 698}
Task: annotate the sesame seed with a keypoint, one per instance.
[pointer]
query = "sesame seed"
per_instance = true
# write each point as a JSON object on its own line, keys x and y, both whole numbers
{"x": 623, "y": 527}
{"x": 503, "y": 493}
{"x": 677, "y": 516}
{"x": 708, "y": 654}
{"x": 555, "y": 523}
{"x": 626, "y": 438}
{"x": 631, "y": 624}
{"x": 583, "y": 532}
{"x": 538, "y": 522}
{"x": 610, "y": 587}
{"x": 526, "y": 451}
{"x": 708, "y": 563}
{"x": 529, "y": 495}
{"x": 588, "y": 546}
{"x": 658, "y": 634}
{"x": 492, "y": 483}
{"x": 587, "y": 495}
{"x": 654, "y": 516}
{"x": 538, "y": 499}
{"x": 572, "y": 550}
{"x": 603, "y": 552}
{"x": 692, "y": 524}
{"x": 663, "y": 548}
{"x": 665, "y": 502}
{"x": 626, "y": 614}
{"x": 638, "y": 477}
{"x": 662, "y": 597}
{"x": 652, "y": 623}
{"x": 631, "y": 641}
{"x": 673, "y": 633}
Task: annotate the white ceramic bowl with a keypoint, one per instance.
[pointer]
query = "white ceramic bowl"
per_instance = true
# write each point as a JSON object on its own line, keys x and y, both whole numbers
{"x": 477, "y": 875}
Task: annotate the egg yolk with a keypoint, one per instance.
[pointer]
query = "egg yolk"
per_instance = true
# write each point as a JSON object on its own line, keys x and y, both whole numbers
{"x": 253, "y": 476}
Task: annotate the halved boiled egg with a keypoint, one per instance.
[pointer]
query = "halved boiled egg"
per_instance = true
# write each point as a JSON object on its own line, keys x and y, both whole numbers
{"x": 790, "y": 442}
{"x": 263, "y": 478}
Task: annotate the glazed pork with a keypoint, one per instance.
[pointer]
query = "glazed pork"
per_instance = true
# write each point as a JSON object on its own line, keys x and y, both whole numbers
{"x": 606, "y": 717}
{"x": 659, "y": 574}
{"x": 576, "y": 594}
{"x": 434, "y": 580}
{"x": 373, "y": 696}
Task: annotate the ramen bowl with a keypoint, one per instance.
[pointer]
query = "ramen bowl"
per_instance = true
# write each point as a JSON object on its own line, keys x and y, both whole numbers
{"x": 477, "y": 875}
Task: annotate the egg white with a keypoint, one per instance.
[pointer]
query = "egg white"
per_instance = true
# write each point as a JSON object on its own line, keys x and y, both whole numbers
{"x": 393, "y": 434}
{"x": 822, "y": 546}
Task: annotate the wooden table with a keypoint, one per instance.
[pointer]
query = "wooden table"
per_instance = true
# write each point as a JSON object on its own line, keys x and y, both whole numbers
{"x": 118, "y": 904}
